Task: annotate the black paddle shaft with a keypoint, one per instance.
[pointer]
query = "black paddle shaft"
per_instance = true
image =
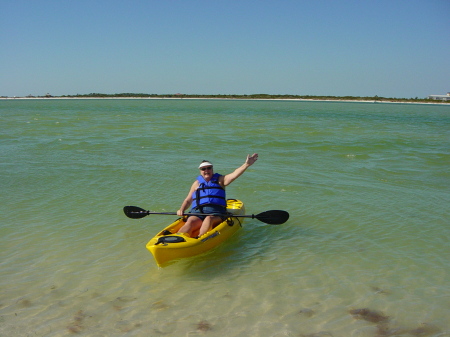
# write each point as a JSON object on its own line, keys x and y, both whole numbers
{"x": 273, "y": 217}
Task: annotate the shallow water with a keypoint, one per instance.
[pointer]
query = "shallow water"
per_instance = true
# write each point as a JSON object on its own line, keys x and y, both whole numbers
{"x": 367, "y": 186}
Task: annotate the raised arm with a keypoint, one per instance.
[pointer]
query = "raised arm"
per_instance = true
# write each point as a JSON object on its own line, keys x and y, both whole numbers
{"x": 229, "y": 178}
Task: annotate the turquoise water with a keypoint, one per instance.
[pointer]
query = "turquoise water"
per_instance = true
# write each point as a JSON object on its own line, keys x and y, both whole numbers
{"x": 367, "y": 187}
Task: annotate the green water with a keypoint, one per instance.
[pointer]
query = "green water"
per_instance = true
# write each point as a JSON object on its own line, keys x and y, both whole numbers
{"x": 367, "y": 187}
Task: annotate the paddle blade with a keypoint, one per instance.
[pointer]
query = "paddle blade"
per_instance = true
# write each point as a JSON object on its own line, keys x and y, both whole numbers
{"x": 275, "y": 217}
{"x": 134, "y": 212}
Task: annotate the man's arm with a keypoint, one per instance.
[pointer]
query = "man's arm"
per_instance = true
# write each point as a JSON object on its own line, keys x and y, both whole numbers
{"x": 229, "y": 178}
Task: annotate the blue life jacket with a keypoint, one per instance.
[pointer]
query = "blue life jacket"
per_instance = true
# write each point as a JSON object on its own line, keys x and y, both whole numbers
{"x": 209, "y": 193}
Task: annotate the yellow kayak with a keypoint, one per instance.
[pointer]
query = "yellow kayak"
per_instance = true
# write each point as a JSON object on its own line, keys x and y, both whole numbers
{"x": 167, "y": 247}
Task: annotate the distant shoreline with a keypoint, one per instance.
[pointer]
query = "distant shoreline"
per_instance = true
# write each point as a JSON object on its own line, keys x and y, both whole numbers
{"x": 257, "y": 97}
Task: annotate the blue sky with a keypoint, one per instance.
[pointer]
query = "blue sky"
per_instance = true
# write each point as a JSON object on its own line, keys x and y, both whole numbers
{"x": 390, "y": 48}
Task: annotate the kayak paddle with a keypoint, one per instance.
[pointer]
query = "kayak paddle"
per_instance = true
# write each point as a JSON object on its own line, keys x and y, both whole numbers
{"x": 274, "y": 217}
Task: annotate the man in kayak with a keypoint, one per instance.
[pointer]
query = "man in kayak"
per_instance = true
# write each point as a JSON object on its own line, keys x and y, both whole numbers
{"x": 207, "y": 195}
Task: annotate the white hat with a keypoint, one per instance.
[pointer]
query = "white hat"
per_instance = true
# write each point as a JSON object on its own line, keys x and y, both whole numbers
{"x": 205, "y": 163}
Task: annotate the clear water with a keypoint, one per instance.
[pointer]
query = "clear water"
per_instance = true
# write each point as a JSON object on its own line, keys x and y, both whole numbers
{"x": 367, "y": 186}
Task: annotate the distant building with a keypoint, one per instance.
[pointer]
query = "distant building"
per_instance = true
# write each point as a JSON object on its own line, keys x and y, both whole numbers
{"x": 440, "y": 97}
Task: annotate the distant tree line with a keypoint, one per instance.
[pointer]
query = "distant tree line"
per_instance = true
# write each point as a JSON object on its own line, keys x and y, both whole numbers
{"x": 253, "y": 96}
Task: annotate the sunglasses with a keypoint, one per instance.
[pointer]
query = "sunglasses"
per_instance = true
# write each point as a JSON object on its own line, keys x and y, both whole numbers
{"x": 206, "y": 168}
